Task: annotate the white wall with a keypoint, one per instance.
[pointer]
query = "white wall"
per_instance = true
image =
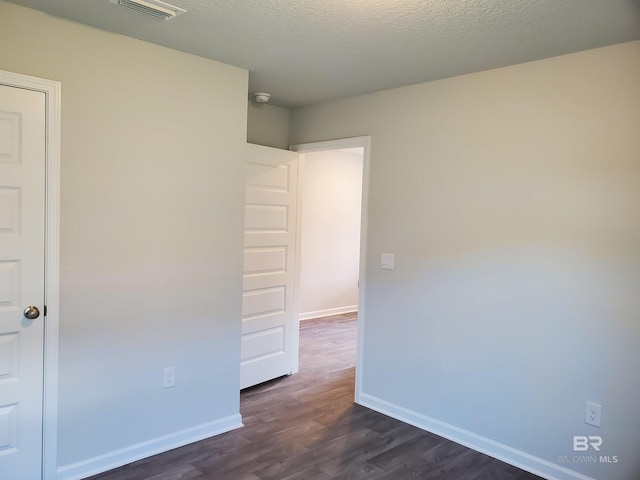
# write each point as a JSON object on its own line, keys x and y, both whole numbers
{"x": 511, "y": 200}
{"x": 268, "y": 125}
{"x": 330, "y": 252}
{"x": 151, "y": 240}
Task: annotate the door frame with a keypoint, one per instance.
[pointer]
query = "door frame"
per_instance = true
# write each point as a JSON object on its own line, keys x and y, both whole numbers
{"x": 51, "y": 89}
{"x": 353, "y": 142}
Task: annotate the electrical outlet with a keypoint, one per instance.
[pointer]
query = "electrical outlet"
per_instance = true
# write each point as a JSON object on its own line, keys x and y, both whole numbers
{"x": 592, "y": 416}
{"x": 169, "y": 378}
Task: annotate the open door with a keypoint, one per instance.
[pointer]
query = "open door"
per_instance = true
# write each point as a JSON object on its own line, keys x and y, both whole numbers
{"x": 269, "y": 316}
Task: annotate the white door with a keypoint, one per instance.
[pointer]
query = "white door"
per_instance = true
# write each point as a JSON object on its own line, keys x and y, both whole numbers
{"x": 22, "y": 223}
{"x": 269, "y": 319}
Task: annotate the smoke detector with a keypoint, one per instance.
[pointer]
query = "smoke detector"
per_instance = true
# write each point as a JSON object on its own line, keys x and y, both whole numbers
{"x": 155, "y": 8}
{"x": 262, "y": 97}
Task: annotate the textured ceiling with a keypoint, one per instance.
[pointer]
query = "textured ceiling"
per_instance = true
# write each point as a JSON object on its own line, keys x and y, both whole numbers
{"x": 309, "y": 51}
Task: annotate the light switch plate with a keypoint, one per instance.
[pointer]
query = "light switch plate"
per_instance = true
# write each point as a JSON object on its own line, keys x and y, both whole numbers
{"x": 387, "y": 261}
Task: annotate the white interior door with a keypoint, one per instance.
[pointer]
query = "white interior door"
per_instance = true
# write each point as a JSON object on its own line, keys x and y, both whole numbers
{"x": 22, "y": 230}
{"x": 269, "y": 318}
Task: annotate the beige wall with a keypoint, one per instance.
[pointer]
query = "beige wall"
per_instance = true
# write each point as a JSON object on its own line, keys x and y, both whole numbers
{"x": 268, "y": 125}
{"x": 331, "y": 188}
{"x": 151, "y": 241}
{"x": 511, "y": 199}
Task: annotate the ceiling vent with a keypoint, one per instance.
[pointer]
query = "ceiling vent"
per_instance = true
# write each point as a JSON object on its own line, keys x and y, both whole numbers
{"x": 155, "y": 8}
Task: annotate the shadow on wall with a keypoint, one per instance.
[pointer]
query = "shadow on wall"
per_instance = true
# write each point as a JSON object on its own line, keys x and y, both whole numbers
{"x": 268, "y": 125}
{"x": 636, "y": 5}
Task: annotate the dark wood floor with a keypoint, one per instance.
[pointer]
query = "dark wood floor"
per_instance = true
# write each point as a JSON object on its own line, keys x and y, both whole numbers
{"x": 307, "y": 427}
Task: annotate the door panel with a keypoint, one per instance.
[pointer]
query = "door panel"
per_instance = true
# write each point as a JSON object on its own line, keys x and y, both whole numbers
{"x": 22, "y": 219}
{"x": 269, "y": 321}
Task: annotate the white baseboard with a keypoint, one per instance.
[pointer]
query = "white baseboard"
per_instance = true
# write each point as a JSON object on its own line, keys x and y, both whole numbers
{"x": 328, "y": 312}
{"x": 512, "y": 456}
{"x": 123, "y": 456}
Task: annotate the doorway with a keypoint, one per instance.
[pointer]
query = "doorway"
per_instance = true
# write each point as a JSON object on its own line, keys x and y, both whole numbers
{"x": 331, "y": 232}
{"x": 272, "y": 264}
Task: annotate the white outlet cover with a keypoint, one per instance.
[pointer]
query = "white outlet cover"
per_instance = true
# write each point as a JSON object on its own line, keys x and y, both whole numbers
{"x": 593, "y": 414}
{"x": 169, "y": 377}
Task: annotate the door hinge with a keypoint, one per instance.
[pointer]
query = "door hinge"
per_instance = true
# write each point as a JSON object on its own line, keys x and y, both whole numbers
{"x": 45, "y": 310}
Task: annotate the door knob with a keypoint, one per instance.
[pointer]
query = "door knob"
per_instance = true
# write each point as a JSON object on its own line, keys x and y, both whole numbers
{"x": 31, "y": 312}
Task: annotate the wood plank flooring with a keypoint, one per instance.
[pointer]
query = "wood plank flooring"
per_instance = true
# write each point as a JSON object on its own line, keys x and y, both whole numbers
{"x": 306, "y": 427}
